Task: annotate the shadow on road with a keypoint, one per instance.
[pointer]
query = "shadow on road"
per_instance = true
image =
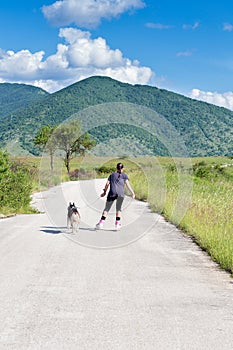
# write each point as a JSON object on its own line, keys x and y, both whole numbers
{"x": 52, "y": 230}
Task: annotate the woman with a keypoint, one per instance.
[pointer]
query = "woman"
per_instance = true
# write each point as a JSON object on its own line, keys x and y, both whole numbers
{"x": 117, "y": 181}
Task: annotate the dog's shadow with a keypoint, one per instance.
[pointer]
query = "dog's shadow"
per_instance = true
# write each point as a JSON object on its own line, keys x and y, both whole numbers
{"x": 52, "y": 230}
{"x": 61, "y": 230}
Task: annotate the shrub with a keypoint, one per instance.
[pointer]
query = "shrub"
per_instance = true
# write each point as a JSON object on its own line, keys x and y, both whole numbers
{"x": 106, "y": 169}
{"x": 15, "y": 184}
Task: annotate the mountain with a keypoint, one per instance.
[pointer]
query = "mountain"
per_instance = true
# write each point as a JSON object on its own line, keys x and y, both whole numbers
{"x": 206, "y": 129}
{"x": 17, "y": 96}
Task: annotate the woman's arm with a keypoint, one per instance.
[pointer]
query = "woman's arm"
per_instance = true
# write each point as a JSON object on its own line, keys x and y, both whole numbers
{"x": 105, "y": 189}
{"x": 130, "y": 188}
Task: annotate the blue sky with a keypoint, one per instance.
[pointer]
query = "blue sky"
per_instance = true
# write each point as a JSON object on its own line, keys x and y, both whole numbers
{"x": 179, "y": 45}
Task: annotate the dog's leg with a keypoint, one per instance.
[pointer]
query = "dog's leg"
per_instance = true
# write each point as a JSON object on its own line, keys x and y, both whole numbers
{"x": 75, "y": 222}
{"x": 72, "y": 223}
{"x": 68, "y": 222}
{"x": 74, "y": 227}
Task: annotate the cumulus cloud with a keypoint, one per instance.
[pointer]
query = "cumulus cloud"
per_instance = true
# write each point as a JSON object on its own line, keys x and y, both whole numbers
{"x": 87, "y": 13}
{"x": 78, "y": 57}
{"x": 82, "y": 51}
{"x": 223, "y": 100}
{"x": 21, "y": 64}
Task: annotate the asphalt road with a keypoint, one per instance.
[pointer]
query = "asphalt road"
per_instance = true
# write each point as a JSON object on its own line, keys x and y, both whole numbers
{"x": 145, "y": 287}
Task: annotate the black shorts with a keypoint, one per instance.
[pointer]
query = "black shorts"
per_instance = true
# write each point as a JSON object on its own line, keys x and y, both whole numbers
{"x": 110, "y": 200}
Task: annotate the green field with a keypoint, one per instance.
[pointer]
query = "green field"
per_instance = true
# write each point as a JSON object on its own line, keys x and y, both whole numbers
{"x": 196, "y": 194}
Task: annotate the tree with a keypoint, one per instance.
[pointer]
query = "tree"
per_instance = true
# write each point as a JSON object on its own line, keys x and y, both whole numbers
{"x": 69, "y": 138}
{"x": 43, "y": 139}
{"x": 82, "y": 144}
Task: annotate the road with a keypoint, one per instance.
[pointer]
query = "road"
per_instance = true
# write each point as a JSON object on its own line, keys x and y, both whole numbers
{"x": 145, "y": 287}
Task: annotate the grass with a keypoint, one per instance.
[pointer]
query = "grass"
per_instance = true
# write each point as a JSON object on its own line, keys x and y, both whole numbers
{"x": 210, "y": 219}
{"x": 209, "y": 215}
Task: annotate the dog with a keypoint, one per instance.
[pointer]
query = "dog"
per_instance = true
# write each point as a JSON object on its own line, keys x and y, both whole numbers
{"x": 73, "y": 217}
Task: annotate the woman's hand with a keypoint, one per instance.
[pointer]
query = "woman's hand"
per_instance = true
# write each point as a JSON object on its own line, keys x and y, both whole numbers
{"x": 103, "y": 193}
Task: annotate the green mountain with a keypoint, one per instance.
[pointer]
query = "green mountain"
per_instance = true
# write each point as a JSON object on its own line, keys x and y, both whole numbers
{"x": 17, "y": 96}
{"x": 206, "y": 129}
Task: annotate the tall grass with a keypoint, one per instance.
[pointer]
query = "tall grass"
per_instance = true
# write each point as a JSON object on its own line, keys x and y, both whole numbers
{"x": 209, "y": 216}
{"x": 210, "y": 219}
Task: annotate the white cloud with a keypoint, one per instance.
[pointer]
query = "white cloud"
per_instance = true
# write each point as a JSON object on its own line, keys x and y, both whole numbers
{"x": 77, "y": 58}
{"x": 21, "y": 64}
{"x": 158, "y": 25}
{"x": 87, "y": 13}
{"x": 184, "y": 53}
{"x": 82, "y": 51}
{"x": 191, "y": 26}
{"x": 224, "y": 100}
{"x": 228, "y": 27}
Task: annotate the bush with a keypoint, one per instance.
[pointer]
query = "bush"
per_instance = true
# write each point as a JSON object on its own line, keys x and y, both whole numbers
{"x": 74, "y": 175}
{"x": 106, "y": 169}
{"x": 210, "y": 172}
{"x": 15, "y": 185}
{"x": 81, "y": 174}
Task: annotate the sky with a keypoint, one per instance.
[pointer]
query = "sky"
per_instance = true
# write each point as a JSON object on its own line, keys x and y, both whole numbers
{"x": 178, "y": 45}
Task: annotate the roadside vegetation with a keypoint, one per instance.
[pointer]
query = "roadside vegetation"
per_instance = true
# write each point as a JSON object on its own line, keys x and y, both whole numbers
{"x": 209, "y": 217}
{"x": 16, "y": 183}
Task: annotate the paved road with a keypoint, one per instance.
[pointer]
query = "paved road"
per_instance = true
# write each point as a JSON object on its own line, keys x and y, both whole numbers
{"x": 146, "y": 287}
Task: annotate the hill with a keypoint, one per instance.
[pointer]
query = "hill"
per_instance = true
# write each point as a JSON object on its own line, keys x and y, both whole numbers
{"x": 205, "y": 128}
{"x": 17, "y": 96}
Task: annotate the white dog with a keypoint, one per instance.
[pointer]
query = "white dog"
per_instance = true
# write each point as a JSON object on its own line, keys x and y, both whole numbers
{"x": 73, "y": 217}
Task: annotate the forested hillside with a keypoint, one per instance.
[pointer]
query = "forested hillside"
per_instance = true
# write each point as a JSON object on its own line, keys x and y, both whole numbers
{"x": 17, "y": 96}
{"x": 205, "y": 128}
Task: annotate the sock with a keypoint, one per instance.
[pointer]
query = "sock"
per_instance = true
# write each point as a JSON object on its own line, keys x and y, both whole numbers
{"x": 117, "y": 222}
{"x": 102, "y": 219}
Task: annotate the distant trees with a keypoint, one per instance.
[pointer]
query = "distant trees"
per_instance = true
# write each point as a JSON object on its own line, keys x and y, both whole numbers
{"x": 67, "y": 138}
